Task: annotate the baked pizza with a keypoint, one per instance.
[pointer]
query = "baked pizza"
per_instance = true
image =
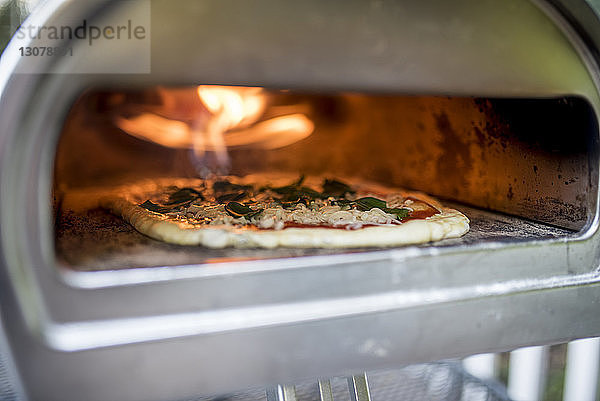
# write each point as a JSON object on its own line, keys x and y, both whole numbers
{"x": 256, "y": 211}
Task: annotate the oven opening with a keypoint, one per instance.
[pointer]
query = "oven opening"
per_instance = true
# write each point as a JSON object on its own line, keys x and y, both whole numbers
{"x": 519, "y": 169}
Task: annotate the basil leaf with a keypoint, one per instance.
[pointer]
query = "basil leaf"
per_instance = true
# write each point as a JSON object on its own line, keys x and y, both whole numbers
{"x": 293, "y": 202}
{"x": 310, "y": 193}
{"x": 400, "y": 213}
{"x": 367, "y": 203}
{"x": 226, "y": 186}
{"x": 299, "y": 181}
{"x": 184, "y": 195}
{"x": 336, "y": 188}
{"x": 343, "y": 202}
{"x": 231, "y": 196}
{"x": 288, "y": 189}
{"x": 236, "y": 209}
{"x": 153, "y": 207}
{"x": 292, "y": 192}
{"x": 251, "y": 215}
{"x": 292, "y": 188}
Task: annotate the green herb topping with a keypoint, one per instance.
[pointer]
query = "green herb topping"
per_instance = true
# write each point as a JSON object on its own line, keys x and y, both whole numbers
{"x": 184, "y": 195}
{"x": 153, "y": 207}
{"x": 236, "y": 209}
{"x": 367, "y": 203}
{"x": 226, "y": 186}
{"x": 291, "y": 196}
{"x": 231, "y": 196}
{"x": 336, "y": 188}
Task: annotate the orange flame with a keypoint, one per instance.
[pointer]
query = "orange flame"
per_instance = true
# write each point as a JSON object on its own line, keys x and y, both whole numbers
{"x": 232, "y": 118}
{"x": 274, "y": 133}
{"x": 226, "y": 117}
{"x": 240, "y": 106}
{"x": 230, "y": 107}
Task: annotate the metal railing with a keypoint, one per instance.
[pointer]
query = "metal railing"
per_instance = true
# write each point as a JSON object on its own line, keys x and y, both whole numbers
{"x": 528, "y": 371}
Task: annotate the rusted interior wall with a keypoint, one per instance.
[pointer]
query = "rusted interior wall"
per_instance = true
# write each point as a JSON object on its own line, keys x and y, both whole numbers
{"x": 93, "y": 151}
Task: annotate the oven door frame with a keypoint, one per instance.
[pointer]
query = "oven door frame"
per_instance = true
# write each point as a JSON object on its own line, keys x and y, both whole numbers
{"x": 160, "y": 322}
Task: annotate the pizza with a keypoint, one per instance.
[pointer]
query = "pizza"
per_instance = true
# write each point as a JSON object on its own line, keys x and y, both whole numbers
{"x": 257, "y": 211}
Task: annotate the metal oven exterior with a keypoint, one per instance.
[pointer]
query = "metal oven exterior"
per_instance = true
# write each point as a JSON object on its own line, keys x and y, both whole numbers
{"x": 174, "y": 332}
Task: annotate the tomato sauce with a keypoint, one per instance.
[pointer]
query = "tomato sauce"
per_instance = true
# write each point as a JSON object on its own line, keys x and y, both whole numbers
{"x": 421, "y": 214}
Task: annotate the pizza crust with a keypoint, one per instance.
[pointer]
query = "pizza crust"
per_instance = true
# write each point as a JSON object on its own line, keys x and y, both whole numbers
{"x": 449, "y": 223}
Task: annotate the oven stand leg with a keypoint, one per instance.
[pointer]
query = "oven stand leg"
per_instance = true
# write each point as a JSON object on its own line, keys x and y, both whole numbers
{"x": 281, "y": 393}
{"x": 357, "y": 384}
{"x": 325, "y": 390}
{"x": 359, "y": 388}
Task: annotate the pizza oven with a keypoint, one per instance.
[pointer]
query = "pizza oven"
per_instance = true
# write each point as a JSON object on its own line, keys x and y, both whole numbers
{"x": 491, "y": 107}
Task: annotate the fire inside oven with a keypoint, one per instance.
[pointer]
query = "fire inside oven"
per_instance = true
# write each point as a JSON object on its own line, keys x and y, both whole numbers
{"x": 520, "y": 169}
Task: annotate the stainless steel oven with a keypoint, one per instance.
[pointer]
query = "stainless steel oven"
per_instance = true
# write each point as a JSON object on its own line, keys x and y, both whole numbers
{"x": 491, "y": 106}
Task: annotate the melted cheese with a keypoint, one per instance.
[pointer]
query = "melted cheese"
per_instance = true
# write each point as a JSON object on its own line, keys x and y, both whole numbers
{"x": 274, "y": 216}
